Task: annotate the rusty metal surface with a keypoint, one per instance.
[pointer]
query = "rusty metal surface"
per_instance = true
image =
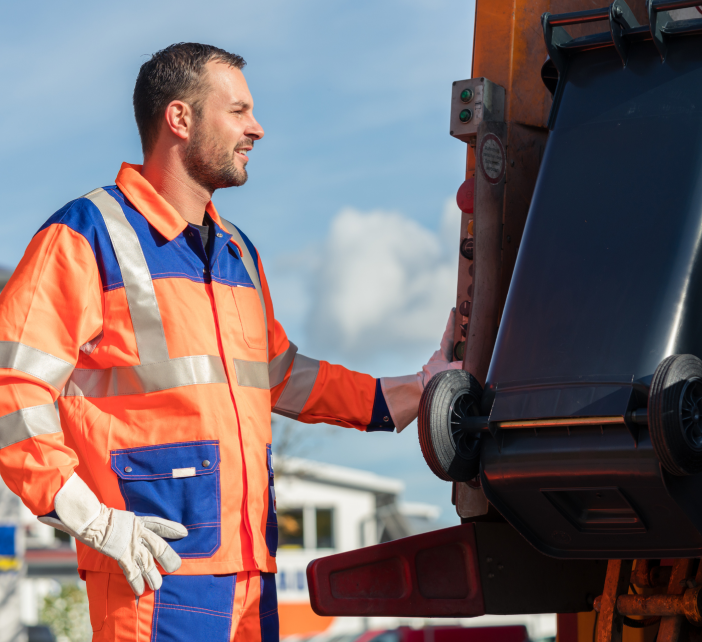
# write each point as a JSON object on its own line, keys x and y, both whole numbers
{"x": 489, "y": 201}
{"x": 641, "y": 575}
{"x": 651, "y": 605}
{"x": 671, "y": 627}
{"x": 678, "y": 608}
{"x": 691, "y": 605}
{"x": 648, "y": 575}
{"x": 660, "y": 575}
{"x": 609, "y": 624}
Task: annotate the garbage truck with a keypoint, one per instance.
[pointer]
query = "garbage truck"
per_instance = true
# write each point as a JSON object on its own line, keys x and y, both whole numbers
{"x": 571, "y": 439}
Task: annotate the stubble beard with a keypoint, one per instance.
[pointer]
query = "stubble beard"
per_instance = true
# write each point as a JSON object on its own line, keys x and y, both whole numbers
{"x": 210, "y": 164}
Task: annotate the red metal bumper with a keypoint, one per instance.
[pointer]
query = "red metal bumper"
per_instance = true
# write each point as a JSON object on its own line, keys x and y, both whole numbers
{"x": 434, "y": 574}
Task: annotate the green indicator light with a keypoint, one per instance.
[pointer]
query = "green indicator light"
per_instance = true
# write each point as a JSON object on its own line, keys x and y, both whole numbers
{"x": 465, "y": 115}
{"x": 466, "y": 95}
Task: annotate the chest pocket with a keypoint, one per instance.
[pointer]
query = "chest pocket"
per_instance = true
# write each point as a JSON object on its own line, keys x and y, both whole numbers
{"x": 250, "y": 312}
{"x": 179, "y": 482}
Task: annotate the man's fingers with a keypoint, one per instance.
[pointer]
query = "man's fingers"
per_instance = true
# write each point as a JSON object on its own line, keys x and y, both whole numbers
{"x": 164, "y": 527}
{"x": 133, "y": 574}
{"x": 153, "y": 577}
{"x": 169, "y": 560}
{"x": 137, "y": 585}
{"x": 162, "y": 551}
{"x": 447, "y": 338}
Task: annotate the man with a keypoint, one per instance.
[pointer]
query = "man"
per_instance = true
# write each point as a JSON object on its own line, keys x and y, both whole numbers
{"x": 147, "y": 317}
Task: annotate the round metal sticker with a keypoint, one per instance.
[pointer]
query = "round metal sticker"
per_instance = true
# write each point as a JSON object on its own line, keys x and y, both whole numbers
{"x": 492, "y": 158}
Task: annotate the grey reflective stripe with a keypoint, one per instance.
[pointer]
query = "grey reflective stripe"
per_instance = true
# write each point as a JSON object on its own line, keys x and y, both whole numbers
{"x": 297, "y": 390}
{"x": 279, "y": 366}
{"x": 28, "y": 422}
{"x": 39, "y": 364}
{"x": 143, "y": 307}
{"x": 251, "y": 269}
{"x": 152, "y": 377}
{"x": 251, "y": 374}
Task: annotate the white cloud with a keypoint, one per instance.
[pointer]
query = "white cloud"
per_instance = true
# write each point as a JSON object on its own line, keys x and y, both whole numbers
{"x": 382, "y": 283}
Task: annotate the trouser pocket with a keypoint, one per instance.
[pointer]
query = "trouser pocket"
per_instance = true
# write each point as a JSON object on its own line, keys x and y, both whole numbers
{"x": 179, "y": 482}
{"x": 196, "y": 608}
{"x": 272, "y": 517}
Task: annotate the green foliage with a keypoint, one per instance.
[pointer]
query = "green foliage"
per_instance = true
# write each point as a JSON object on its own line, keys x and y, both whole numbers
{"x": 67, "y": 614}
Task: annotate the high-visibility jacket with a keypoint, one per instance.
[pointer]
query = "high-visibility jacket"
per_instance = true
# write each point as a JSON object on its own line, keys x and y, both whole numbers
{"x": 165, "y": 365}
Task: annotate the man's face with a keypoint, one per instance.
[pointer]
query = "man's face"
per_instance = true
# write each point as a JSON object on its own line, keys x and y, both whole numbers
{"x": 224, "y": 132}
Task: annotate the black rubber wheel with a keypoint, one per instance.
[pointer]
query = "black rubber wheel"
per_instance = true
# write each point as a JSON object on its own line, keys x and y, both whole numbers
{"x": 675, "y": 414}
{"x": 451, "y": 453}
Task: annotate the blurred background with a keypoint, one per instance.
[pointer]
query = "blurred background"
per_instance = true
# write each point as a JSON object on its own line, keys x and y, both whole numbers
{"x": 350, "y": 202}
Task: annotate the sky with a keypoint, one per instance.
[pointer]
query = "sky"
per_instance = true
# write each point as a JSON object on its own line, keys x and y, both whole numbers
{"x": 351, "y": 193}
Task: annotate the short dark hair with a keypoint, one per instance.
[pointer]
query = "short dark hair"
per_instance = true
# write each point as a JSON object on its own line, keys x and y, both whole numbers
{"x": 174, "y": 73}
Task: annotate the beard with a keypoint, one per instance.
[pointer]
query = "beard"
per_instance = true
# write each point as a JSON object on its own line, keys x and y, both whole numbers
{"x": 211, "y": 165}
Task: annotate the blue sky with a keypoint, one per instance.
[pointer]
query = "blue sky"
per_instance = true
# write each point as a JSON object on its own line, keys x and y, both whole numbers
{"x": 350, "y": 195}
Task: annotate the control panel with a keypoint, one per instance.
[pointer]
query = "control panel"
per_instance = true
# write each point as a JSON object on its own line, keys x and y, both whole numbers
{"x": 474, "y": 101}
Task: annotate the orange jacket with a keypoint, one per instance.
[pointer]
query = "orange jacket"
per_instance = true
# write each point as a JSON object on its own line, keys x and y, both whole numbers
{"x": 166, "y": 366}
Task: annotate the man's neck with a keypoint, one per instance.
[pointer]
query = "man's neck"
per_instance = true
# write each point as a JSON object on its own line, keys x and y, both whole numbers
{"x": 174, "y": 184}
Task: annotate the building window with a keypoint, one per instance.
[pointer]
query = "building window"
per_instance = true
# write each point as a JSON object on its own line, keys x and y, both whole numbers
{"x": 325, "y": 528}
{"x": 291, "y": 532}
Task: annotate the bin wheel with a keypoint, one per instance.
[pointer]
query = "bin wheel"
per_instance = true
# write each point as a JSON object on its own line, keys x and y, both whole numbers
{"x": 675, "y": 414}
{"x": 452, "y": 454}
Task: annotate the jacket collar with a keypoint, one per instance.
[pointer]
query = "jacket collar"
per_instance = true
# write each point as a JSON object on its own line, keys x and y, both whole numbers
{"x": 151, "y": 205}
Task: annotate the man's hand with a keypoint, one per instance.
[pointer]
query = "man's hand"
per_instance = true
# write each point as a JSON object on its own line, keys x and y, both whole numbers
{"x": 402, "y": 394}
{"x": 442, "y": 359}
{"x": 133, "y": 541}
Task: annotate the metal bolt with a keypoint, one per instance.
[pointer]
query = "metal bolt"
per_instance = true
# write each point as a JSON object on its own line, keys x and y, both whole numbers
{"x": 500, "y": 567}
{"x": 219, "y": 235}
{"x": 206, "y": 463}
{"x": 386, "y": 419}
{"x": 488, "y": 559}
{"x": 128, "y": 469}
{"x": 491, "y": 575}
{"x": 618, "y": 11}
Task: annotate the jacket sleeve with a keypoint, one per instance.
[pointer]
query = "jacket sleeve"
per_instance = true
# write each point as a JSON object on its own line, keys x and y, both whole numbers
{"x": 314, "y": 391}
{"x": 51, "y": 306}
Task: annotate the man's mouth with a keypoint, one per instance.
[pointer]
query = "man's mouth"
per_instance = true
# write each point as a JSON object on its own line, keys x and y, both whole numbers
{"x": 243, "y": 152}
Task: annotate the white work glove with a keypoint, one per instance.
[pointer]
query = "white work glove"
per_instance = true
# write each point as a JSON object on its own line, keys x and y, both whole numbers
{"x": 133, "y": 541}
{"x": 402, "y": 394}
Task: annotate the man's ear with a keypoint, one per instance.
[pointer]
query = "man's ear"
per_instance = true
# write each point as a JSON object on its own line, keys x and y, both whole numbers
{"x": 179, "y": 119}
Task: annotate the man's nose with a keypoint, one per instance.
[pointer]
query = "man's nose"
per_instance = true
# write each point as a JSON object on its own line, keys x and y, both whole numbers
{"x": 254, "y": 130}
